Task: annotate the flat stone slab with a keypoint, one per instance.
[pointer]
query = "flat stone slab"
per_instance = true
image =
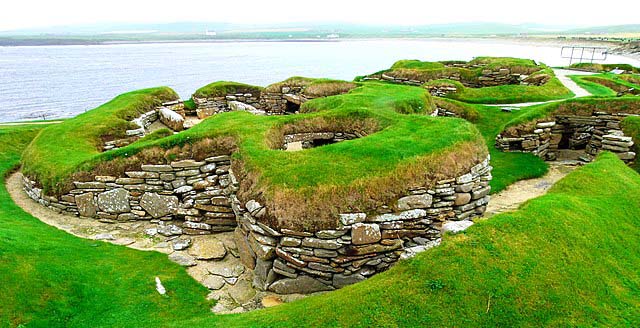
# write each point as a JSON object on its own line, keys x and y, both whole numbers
{"x": 456, "y": 226}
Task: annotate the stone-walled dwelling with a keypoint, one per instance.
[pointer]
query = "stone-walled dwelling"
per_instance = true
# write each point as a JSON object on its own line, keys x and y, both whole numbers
{"x": 199, "y": 197}
{"x": 570, "y": 137}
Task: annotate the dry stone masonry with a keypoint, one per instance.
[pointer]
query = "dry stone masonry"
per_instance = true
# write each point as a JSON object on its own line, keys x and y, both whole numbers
{"x": 206, "y": 107}
{"x": 308, "y": 140}
{"x": 188, "y": 197}
{"x": 591, "y": 134}
{"x": 488, "y": 77}
{"x": 287, "y": 261}
{"x": 194, "y": 194}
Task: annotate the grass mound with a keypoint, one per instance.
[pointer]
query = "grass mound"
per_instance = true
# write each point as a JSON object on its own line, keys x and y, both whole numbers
{"x": 308, "y": 188}
{"x": 313, "y": 87}
{"x": 56, "y": 152}
{"x": 469, "y": 73}
{"x": 568, "y": 258}
{"x": 579, "y": 106}
{"x": 53, "y": 279}
{"x": 601, "y": 68}
{"x": 608, "y": 84}
{"x": 223, "y": 88}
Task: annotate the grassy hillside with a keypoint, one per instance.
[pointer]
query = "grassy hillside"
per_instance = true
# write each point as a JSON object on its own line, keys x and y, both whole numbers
{"x": 52, "y": 279}
{"x": 568, "y": 258}
{"x": 400, "y": 147}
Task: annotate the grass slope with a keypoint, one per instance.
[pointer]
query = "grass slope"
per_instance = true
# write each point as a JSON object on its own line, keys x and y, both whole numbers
{"x": 568, "y": 258}
{"x": 608, "y": 84}
{"x": 56, "y": 152}
{"x": 490, "y": 121}
{"x": 52, "y": 279}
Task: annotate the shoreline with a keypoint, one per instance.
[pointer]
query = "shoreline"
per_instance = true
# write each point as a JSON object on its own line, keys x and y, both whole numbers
{"x": 616, "y": 47}
{"x": 555, "y": 40}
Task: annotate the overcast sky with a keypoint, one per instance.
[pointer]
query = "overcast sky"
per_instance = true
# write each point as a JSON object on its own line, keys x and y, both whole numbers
{"x": 17, "y": 14}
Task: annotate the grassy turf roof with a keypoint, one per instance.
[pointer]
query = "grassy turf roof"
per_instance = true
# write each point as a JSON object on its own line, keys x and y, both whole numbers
{"x": 436, "y": 73}
{"x": 223, "y": 88}
{"x": 578, "y": 106}
{"x": 594, "y": 67}
{"x": 59, "y": 149}
{"x": 607, "y": 84}
{"x": 568, "y": 258}
{"x": 404, "y": 148}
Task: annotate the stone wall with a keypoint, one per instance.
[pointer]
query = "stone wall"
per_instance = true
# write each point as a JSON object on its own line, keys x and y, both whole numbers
{"x": 195, "y": 198}
{"x": 206, "y": 107}
{"x": 299, "y": 141}
{"x": 170, "y": 113}
{"x": 600, "y": 131}
{"x": 194, "y": 195}
{"x": 286, "y": 261}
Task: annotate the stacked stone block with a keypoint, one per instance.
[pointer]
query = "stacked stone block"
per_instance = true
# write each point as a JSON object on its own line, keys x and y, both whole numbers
{"x": 196, "y": 194}
{"x": 288, "y": 261}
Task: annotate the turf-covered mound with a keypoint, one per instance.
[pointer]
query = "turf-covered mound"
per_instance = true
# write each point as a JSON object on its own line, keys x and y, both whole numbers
{"x": 482, "y": 80}
{"x": 400, "y": 146}
{"x": 608, "y": 84}
{"x": 569, "y": 258}
{"x": 56, "y": 153}
{"x": 601, "y": 68}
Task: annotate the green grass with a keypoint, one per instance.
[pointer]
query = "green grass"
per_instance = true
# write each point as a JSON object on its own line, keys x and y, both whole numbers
{"x": 569, "y": 258}
{"x": 381, "y": 164}
{"x": 584, "y": 106}
{"x": 223, "y": 88}
{"x": 436, "y": 72}
{"x": 416, "y": 64}
{"x": 592, "y": 87}
{"x": 511, "y": 94}
{"x": 58, "y": 150}
{"x": 600, "y": 68}
{"x": 606, "y": 84}
{"x": 52, "y": 279}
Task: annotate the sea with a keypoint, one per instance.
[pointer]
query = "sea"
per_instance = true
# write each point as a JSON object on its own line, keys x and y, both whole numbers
{"x": 50, "y": 82}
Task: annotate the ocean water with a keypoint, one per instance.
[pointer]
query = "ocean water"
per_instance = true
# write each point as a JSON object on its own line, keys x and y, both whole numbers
{"x": 62, "y": 81}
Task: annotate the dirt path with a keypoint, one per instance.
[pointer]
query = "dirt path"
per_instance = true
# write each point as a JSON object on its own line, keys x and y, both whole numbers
{"x": 563, "y": 76}
{"x": 518, "y": 193}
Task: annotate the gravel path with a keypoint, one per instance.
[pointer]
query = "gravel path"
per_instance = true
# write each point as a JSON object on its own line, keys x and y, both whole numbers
{"x": 518, "y": 193}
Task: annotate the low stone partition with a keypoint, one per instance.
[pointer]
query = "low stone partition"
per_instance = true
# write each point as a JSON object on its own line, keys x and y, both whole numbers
{"x": 287, "y": 99}
{"x": 206, "y": 107}
{"x": 171, "y": 114}
{"x": 600, "y": 131}
{"x": 308, "y": 140}
{"x": 171, "y": 119}
{"x": 441, "y": 90}
{"x": 287, "y": 261}
{"x": 196, "y": 195}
